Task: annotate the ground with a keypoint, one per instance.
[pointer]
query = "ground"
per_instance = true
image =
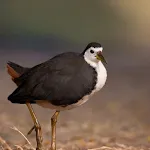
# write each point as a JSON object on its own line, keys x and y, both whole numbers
{"x": 116, "y": 118}
{"x": 79, "y": 129}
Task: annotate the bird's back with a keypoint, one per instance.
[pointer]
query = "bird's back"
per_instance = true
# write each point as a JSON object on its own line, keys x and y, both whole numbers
{"x": 62, "y": 80}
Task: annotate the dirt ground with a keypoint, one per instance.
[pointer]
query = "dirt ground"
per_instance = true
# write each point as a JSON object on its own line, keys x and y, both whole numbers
{"x": 115, "y": 118}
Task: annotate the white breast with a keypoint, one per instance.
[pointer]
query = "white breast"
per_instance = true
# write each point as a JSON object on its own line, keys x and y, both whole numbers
{"x": 101, "y": 73}
{"x": 101, "y": 76}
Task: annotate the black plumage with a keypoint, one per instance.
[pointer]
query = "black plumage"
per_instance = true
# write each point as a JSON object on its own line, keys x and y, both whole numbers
{"x": 92, "y": 44}
{"x": 62, "y": 80}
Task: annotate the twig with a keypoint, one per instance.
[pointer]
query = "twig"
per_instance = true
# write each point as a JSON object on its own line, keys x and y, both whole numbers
{"x": 4, "y": 145}
{"x": 101, "y": 148}
{"x": 18, "y": 147}
{"x": 14, "y": 128}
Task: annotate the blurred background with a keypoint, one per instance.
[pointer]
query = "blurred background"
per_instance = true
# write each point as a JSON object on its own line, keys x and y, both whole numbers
{"x": 34, "y": 31}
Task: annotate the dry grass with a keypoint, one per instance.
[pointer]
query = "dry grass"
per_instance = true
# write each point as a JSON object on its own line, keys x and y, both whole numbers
{"x": 80, "y": 145}
{"x": 81, "y": 141}
{"x": 98, "y": 131}
{"x": 74, "y": 131}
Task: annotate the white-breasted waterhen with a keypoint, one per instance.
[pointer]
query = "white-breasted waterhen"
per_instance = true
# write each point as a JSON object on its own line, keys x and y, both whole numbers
{"x": 63, "y": 82}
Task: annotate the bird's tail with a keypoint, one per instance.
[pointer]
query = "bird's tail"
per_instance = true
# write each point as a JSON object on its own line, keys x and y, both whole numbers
{"x": 15, "y": 70}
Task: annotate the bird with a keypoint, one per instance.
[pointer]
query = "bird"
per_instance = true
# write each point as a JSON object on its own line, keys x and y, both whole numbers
{"x": 63, "y": 82}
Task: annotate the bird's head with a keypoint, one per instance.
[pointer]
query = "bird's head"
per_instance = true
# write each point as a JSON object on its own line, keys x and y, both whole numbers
{"x": 93, "y": 53}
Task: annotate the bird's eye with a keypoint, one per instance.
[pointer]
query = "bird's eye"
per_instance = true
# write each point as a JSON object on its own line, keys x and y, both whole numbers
{"x": 91, "y": 51}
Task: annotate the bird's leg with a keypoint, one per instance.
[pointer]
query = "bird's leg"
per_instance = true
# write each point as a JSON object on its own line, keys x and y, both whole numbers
{"x": 37, "y": 127}
{"x": 53, "y": 126}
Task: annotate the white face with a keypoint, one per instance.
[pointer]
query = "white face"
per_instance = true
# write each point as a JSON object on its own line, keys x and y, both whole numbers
{"x": 91, "y": 53}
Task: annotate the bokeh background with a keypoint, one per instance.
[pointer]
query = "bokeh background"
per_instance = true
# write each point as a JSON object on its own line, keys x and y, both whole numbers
{"x": 34, "y": 31}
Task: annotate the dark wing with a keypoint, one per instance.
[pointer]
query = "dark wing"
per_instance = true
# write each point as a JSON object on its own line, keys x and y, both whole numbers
{"x": 62, "y": 80}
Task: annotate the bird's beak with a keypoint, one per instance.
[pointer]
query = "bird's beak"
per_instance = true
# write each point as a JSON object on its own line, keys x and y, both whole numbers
{"x": 99, "y": 56}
